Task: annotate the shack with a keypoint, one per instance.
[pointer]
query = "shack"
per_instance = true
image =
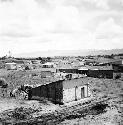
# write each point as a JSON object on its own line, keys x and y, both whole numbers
{"x": 100, "y": 72}
{"x": 63, "y": 91}
{"x": 36, "y": 62}
{"x": 117, "y": 67}
{"x": 68, "y": 70}
{"x": 11, "y": 66}
{"x": 48, "y": 65}
{"x": 118, "y": 70}
{"x": 83, "y": 70}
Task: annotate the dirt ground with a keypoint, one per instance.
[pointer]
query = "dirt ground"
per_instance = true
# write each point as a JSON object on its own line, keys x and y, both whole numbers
{"x": 76, "y": 113}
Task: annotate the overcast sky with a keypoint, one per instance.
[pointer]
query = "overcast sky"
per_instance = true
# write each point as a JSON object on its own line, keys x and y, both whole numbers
{"x": 41, "y": 25}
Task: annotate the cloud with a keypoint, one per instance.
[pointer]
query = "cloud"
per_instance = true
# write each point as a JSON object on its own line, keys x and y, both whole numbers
{"x": 89, "y": 5}
{"x": 6, "y": 0}
{"x": 92, "y": 5}
{"x": 108, "y": 35}
{"x": 31, "y": 25}
{"x": 116, "y": 5}
{"x": 103, "y": 4}
{"x": 109, "y": 30}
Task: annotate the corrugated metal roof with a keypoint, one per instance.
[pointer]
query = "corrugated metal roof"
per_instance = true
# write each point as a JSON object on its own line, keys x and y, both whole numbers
{"x": 10, "y": 63}
{"x": 100, "y": 67}
{"x": 48, "y": 63}
{"x": 83, "y": 68}
{"x": 95, "y": 68}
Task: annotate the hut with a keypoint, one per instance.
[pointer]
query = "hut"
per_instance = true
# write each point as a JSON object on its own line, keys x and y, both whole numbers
{"x": 118, "y": 70}
{"x": 48, "y": 65}
{"x": 63, "y": 91}
{"x": 11, "y": 66}
{"x": 100, "y": 72}
{"x": 68, "y": 70}
{"x": 36, "y": 62}
{"x": 83, "y": 70}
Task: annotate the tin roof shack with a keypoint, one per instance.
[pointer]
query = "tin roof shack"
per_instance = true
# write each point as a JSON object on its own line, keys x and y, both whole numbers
{"x": 89, "y": 61}
{"x": 100, "y": 72}
{"x": 63, "y": 91}
{"x": 11, "y": 66}
{"x": 27, "y": 62}
{"x": 48, "y": 65}
{"x": 117, "y": 67}
{"x": 68, "y": 70}
{"x": 104, "y": 61}
{"x": 20, "y": 62}
{"x": 83, "y": 70}
{"x": 118, "y": 70}
{"x": 36, "y": 62}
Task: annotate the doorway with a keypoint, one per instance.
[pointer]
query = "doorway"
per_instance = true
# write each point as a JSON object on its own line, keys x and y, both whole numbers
{"x": 82, "y": 92}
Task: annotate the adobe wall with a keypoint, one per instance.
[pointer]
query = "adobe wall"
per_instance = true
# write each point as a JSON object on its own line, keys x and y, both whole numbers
{"x": 68, "y": 95}
{"x": 73, "y": 94}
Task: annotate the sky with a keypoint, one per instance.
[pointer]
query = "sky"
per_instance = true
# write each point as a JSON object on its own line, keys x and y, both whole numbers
{"x": 28, "y": 26}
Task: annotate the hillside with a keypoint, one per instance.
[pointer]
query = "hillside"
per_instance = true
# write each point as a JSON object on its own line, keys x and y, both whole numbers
{"x": 70, "y": 53}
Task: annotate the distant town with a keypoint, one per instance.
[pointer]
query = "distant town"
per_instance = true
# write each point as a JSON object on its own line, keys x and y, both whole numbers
{"x": 79, "y": 82}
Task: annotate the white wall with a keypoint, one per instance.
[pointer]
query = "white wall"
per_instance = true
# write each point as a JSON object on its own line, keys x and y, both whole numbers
{"x": 69, "y": 94}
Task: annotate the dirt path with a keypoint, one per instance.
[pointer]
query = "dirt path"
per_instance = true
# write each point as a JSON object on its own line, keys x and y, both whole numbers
{"x": 6, "y": 104}
{"x": 58, "y": 115}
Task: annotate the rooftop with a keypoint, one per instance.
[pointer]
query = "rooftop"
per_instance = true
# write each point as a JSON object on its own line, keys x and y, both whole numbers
{"x": 96, "y": 68}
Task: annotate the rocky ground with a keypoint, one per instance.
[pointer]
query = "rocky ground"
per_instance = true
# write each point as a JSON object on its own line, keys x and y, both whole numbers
{"x": 94, "y": 111}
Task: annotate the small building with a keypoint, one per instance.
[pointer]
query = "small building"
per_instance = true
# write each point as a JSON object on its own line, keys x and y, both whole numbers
{"x": 36, "y": 62}
{"x": 63, "y": 91}
{"x": 118, "y": 70}
{"x": 83, "y": 70}
{"x": 68, "y": 70}
{"x": 104, "y": 61}
{"x": 100, "y": 72}
{"x": 19, "y": 62}
{"x": 117, "y": 67}
{"x": 97, "y": 71}
{"x": 27, "y": 62}
{"x": 48, "y": 65}
{"x": 88, "y": 61}
{"x": 11, "y": 66}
